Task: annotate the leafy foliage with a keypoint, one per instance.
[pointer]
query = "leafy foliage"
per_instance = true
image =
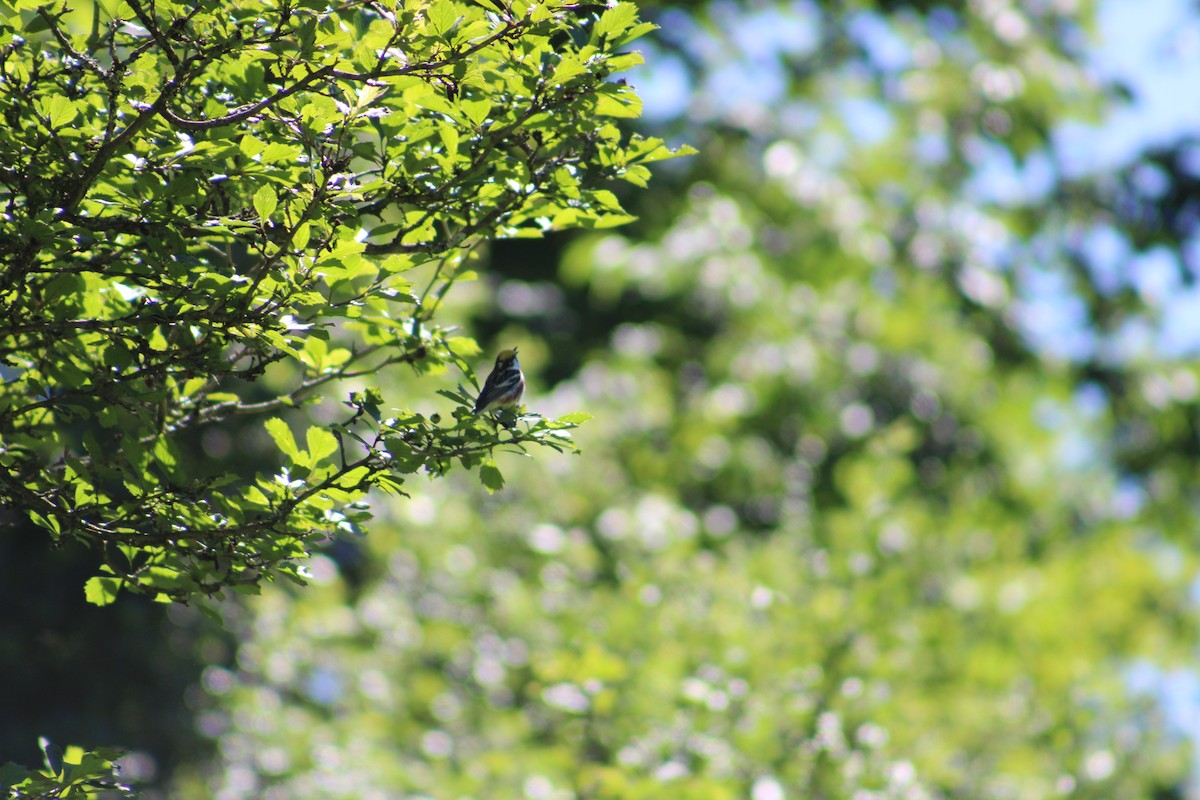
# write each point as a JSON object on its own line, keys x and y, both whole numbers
{"x": 215, "y": 211}
{"x": 72, "y": 774}
{"x": 849, "y": 526}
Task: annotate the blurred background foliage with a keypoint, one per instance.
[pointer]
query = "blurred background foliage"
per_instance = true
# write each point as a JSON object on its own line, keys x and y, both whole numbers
{"x": 888, "y": 494}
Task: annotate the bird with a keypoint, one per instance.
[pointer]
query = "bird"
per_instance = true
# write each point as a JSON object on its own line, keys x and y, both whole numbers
{"x": 504, "y": 387}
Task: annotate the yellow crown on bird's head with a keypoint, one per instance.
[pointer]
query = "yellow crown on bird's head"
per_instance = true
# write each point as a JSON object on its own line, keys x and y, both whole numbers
{"x": 507, "y": 355}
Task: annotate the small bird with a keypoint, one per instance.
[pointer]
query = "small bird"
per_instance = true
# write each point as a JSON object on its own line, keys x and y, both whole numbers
{"x": 505, "y": 387}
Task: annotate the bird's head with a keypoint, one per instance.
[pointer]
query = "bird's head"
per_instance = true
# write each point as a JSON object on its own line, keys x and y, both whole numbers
{"x": 506, "y": 356}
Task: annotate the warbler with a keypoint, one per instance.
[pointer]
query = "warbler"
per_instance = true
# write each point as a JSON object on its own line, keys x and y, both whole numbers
{"x": 505, "y": 387}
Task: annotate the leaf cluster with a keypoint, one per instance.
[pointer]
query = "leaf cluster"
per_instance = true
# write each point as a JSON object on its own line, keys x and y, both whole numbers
{"x": 72, "y": 774}
{"x": 195, "y": 194}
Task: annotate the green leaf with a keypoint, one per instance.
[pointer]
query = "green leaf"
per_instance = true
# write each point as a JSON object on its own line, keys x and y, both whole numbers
{"x": 250, "y": 146}
{"x": 636, "y": 32}
{"x": 616, "y": 19}
{"x": 265, "y": 202}
{"x": 303, "y": 233}
{"x": 612, "y": 221}
{"x": 102, "y": 591}
{"x": 164, "y": 578}
{"x": 618, "y": 106}
{"x": 11, "y": 774}
{"x": 490, "y": 477}
{"x": 570, "y": 67}
{"x": 282, "y": 435}
{"x": 476, "y": 110}
{"x": 575, "y": 417}
{"x": 457, "y": 397}
{"x": 277, "y": 152}
{"x": 57, "y": 109}
{"x": 442, "y": 16}
{"x": 321, "y": 443}
{"x": 395, "y": 264}
{"x": 50, "y": 523}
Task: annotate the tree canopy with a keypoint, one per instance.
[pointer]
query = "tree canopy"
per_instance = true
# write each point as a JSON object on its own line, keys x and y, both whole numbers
{"x": 215, "y": 210}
